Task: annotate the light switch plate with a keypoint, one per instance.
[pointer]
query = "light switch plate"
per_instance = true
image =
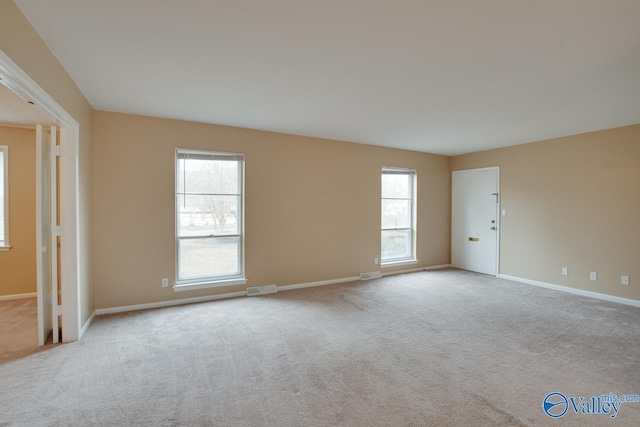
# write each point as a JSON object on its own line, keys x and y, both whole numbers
{"x": 593, "y": 276}
{"x": 624, "y": 280}
{"x": 565, "y": 271}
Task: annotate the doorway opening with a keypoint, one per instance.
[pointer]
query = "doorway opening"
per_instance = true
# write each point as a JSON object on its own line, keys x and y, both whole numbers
{"x": 35, "y": 109}
{"x": 18, "y": 302}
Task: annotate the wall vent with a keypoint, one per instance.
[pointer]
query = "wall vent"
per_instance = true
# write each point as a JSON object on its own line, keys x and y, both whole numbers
{"x": 372, "y": 275}
{"x": 261, "y": 290}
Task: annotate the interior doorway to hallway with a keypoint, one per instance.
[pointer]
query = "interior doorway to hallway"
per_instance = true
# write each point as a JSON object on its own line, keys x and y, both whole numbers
{"x": 63, "y": 227}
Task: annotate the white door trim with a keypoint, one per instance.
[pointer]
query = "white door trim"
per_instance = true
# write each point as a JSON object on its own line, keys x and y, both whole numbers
{"x": 53, "y": 182}
{"x": 44, "y": 258}
{"x": 24, "y": 86}
{"x": 498, "y": 211}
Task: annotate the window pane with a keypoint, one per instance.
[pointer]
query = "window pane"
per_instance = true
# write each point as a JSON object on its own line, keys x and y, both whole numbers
{"x": 396, "y": 214}
{"x": 396, "y": 186}
{"x": 208, "y": 176}
{"x": 207, "y": 257}
{"x": 396, "y": 244}
{"x": 206, "y": 215}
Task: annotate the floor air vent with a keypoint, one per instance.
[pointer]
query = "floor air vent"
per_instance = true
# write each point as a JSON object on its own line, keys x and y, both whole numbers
{"x": 372, "y": 275}
{"x": 261, "y": 290}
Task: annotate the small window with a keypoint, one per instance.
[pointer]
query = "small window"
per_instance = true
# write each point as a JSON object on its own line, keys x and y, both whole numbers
{"x": 398, "y": 215}
{"x": 4, "y": 196}
{"x": 209, "y": 219}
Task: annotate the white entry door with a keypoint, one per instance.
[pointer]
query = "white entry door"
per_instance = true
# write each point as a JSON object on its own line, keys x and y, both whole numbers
{"x": 475, "y": 220}
{"x": 46, "y": 235}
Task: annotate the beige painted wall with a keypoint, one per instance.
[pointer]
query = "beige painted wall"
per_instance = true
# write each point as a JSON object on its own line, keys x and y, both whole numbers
{"x": 18, "y": 266}
{"x": 571, "y": 202}
{"x": 312, "y": 206}
{"x": 22, "y": 44}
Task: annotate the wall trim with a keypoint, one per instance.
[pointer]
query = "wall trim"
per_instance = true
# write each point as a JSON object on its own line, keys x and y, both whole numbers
{"x": 136, "y": 307}
{"x": 320, "y": 283}
{"x": 590, "y": 294}
{"x": 437, "y": 267}
{"x": 170, "y": 303}
{"x": 18, "y": 296}
{"x": 357, "y": 278}
{"x": 410, "y": 270}
{"x": 26, "y": 88}
{"x": 87, "y": 324}
{"x": 415, "y": 270}
{"x": 17, "y": 125}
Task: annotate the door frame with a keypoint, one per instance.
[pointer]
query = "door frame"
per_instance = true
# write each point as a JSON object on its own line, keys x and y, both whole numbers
{"x": 498, "y": 210}
{"x": 24, "y": 86}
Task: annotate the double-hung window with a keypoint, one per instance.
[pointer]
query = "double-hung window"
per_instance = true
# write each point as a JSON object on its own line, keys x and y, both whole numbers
{"x": 398, "y": 216}
{"x": 4, "y": 197}
{"x": 209, "y": 219}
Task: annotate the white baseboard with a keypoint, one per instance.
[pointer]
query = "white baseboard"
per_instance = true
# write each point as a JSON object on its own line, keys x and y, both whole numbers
{"x": 111, "y": 310}
{"x": 320, "y": 283}
{"x": 170, "y": 303}
{"x": 415, "y": 270}
{"x": 136, "y": 307}
{"x": 87, "y": 324}
{"x": 437, "y": 267}
{"x": 575, "y": 291}
{"x": 357, "y": 278}
{"x": 393, "y": 273}
{"x": 18, "y": 296}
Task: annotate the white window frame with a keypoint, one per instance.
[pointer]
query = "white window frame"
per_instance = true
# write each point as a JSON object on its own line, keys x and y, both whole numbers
{"x": 411, "y": 259}
{"x": 217, "y": 280}
{"x": 5, "y": 245}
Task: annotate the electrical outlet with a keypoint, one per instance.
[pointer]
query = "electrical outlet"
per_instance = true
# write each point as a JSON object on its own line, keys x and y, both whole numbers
{"x": 624, "y": 280}
{"x": 565, "y": 271}
{"x": 375, "y": 261}
{"x": 165, "y": 282}
{"x": 593, "y": 276}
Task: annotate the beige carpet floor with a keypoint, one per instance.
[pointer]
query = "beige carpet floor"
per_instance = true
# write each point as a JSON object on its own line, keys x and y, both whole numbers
{"x": 19, "y": 329}
{"x": 440, "y": 348}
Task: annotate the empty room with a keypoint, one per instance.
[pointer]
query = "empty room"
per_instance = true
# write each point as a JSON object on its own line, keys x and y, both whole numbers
{"x": 319, "y": 213}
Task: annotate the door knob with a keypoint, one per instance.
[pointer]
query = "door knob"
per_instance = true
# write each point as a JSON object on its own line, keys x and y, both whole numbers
{"x": 493, "y": 228}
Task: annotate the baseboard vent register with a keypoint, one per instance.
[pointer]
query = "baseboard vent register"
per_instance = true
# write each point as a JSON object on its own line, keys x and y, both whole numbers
{"x": 261, "y": 290}
{"x": 372, "y": 275}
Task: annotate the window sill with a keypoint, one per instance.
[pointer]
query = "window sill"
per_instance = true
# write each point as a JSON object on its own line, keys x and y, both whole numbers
{"x": 209, "y": 284}
{"x": 5, "y": 248}
{"x": 397, "y": 263}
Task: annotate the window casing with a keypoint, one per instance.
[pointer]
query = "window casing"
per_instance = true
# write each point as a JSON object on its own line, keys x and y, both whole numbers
{"x": 398, "y": 237}
{"x": 4, "y": 197}
{"x": 209, "y": 219}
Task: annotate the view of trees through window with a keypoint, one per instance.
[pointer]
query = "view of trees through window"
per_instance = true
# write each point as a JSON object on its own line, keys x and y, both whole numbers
{"x": 397, "y": 215}
{"x": 209, "y": 209}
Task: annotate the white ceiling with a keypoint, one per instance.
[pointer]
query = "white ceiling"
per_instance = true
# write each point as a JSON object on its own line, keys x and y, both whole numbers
{"x": 449, "y": 76}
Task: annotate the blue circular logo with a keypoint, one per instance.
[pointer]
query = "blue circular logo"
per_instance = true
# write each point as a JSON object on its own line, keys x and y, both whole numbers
{"x": 555, "y": 404}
